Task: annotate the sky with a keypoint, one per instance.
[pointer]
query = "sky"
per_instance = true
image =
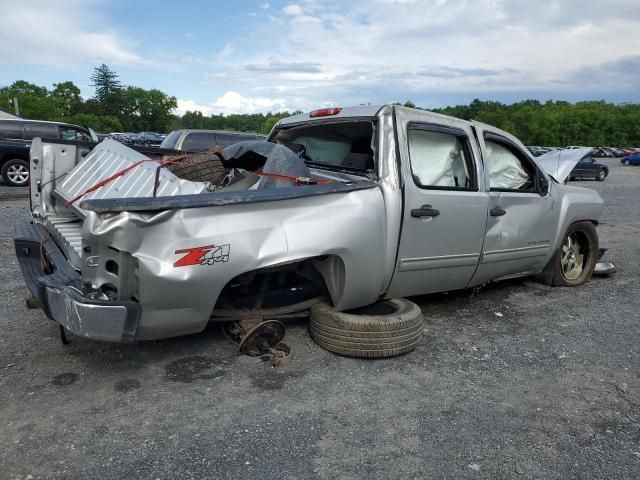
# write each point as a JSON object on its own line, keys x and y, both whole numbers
{"x": 267, "y": 55}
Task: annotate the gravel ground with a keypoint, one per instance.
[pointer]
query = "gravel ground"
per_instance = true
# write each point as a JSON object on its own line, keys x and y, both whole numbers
{"x": 8, "y": 192}
{"x": 517, "y": 381}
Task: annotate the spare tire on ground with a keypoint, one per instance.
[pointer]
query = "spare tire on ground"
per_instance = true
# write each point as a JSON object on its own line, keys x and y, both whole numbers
{"x": 385, "y": 329}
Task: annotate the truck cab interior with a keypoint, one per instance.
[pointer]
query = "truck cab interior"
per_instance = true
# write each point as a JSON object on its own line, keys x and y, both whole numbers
{"x": 342, "y": 145}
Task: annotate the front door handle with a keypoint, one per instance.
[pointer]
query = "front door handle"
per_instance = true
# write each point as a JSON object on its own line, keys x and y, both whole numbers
{"x": 497, "y": 212}
{"x": 425, "y": 211}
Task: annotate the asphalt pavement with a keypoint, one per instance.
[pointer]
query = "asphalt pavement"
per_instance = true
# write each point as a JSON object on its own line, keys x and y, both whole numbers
{"x": 519, "y": 380}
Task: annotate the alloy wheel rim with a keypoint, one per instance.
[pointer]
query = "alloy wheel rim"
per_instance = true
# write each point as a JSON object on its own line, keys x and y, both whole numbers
{"x": 18, "y": 173}
{"x": 573, "y": 257}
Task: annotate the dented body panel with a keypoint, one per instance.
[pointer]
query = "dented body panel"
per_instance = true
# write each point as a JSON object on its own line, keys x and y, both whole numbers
{"x": 365, "y": 234}
{"x": 269, "y": 234}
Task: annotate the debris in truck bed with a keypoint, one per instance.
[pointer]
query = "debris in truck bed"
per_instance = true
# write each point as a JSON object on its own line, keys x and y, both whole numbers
{"x": 205, "y": 166}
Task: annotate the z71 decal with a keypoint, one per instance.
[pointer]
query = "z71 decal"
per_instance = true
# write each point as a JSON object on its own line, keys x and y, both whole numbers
{"x": 206, "y": 255}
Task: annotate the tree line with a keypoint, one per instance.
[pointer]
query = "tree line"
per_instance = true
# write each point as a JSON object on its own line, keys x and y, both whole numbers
{"x": 115, "y": 107}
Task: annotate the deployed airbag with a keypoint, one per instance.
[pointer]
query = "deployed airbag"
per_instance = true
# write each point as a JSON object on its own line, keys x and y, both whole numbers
{"x": 505, "y": 169}
{"x": 437, "y": 159}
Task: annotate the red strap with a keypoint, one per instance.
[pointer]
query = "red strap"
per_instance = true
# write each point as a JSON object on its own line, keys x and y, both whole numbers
{"x": 102, "y": 183}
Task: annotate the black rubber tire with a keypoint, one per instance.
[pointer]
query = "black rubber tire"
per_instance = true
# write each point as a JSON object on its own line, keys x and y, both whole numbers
{"x": 588, "y": 230}
{"x": 5, "y": 170}
{"x": 627, "y": 163}
{"x": 601, "y": 175}
{"x": 203, "y": 166}
{"x": 367, "y": 336}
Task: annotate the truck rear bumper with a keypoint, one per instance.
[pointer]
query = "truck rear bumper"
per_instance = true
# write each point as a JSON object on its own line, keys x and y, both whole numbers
{"x": 60, "y": 292}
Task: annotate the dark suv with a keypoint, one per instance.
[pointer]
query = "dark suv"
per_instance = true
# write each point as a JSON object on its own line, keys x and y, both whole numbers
{"x": 15, "y": 141}
{"x": 197, "y": 140}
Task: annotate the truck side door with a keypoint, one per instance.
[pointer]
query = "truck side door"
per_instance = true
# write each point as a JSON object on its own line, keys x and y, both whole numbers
{"x": 445, "y": 205}
{"x": 522, "y": 212}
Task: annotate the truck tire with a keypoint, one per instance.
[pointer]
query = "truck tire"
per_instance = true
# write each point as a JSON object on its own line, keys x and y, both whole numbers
{"x": 16, "y": 172}
{"x": 575, "y": 259}
{"x": 385, "y": 329}
{"x": 203, "y": 166}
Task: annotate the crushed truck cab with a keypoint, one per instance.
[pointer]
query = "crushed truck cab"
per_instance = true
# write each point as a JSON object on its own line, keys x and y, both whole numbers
{"x": 354, "y": 205}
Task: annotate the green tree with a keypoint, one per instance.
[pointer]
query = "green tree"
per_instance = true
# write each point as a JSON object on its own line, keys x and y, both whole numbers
{"x": 33, "y": 100}
{"x": 66, "y": 97}
{"x": 100, "y": 123}
{"x": 146, "y": 109}
{"x": 108, "y": 89}
{"x": 106, "y": 82}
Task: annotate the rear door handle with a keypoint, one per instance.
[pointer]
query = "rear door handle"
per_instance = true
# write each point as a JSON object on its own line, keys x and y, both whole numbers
{"x": 497, "y": 212}
{"x": 425, "y": 211}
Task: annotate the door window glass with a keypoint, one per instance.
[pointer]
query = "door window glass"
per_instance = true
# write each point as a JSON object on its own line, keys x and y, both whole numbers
{"x": 506, "y": 171}
{"x": 70, "y": 133}
{"x": 440, "y": 160}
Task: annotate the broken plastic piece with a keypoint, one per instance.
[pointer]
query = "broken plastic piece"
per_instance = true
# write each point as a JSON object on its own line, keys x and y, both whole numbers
{"x": 604, "y": 268}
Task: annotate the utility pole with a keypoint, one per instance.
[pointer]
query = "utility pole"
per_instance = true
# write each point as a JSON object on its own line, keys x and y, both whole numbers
{"x": 15, "y": 106}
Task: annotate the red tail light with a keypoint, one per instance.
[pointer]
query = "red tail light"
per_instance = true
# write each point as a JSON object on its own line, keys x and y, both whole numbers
{"x": 325, "y": 112}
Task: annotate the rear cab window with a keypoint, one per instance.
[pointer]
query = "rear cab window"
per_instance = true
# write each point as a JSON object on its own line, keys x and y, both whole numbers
{"x": 347, "y": 145}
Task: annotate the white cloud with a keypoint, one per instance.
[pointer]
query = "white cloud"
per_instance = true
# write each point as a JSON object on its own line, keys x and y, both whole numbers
{"x": 375, "y": 50}
{"x": 265, "y": 5}
{"x": 234, "y": 102}
{"x": 44, "y": 33}
{"x": 292, "y": 10}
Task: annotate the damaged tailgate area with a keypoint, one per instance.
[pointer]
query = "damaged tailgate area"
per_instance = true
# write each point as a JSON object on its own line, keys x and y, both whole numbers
{"x": 126, "y": 223}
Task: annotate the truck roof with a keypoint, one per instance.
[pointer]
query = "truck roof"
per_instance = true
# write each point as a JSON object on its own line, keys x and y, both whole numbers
{"x": 364, "y": 111}
{"x": 358, "y": 111}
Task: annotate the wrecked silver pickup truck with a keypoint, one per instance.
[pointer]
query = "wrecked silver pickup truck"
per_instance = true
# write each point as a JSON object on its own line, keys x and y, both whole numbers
{"x": 356, "y": 205}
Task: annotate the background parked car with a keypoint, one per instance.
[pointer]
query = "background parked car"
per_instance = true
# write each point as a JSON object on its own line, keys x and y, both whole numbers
{"x": 15, "y": 141}
{"x": 151, "y": 139}
{"x": 631, "y": 159}
{"x": 603, "y": 152}
{"x": 628, "y": 151}
{"x": 588, "y": 168}
{"x": 197, "y": 140}
{"x": 538, "y": 151}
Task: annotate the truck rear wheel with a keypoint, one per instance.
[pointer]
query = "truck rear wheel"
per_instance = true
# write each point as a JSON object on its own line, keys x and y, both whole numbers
{"x": 385, "y": 329}
{"x": 576, "y": 258}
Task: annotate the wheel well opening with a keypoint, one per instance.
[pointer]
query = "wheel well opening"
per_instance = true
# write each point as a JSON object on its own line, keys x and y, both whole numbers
{"x": 283, "y": 285}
